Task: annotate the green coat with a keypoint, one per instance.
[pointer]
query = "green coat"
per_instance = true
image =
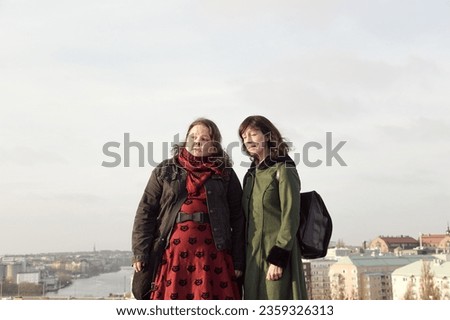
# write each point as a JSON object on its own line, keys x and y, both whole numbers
{"x": 271, "y": 202}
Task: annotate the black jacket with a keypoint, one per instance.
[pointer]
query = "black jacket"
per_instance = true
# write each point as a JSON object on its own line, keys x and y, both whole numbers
{"x": 162, "y": 200}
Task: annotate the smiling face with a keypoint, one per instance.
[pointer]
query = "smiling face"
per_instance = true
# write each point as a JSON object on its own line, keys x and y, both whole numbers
{"x": 255, "y": 143}
{"x": 199, "y": 142}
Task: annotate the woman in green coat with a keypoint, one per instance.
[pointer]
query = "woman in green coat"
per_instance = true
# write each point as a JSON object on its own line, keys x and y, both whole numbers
{"x": 271, "y": 203}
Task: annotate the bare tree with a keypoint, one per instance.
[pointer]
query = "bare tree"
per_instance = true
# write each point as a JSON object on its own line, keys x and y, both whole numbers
{"x": 340, "y": 243}
{"x": 409, "y": 293}
{"x": 353, "y": 295}
{"x": 327, "y": 294}
{"x": 338, "y": 287}
{"x": 428, "y": 289}
{"x": 445, "y": 294}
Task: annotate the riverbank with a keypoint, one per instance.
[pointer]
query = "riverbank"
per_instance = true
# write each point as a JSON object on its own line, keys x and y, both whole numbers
{"x": 104, "y": 286}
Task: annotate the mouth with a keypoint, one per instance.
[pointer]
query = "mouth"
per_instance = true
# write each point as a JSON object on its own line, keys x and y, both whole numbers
{"x": 251, "y": 145}
{"x": 197, "y": 151}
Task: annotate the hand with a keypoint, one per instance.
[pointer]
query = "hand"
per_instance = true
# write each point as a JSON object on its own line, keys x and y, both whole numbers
{"x": 274, "y": 273}
{"x": 238, "y": 273}
{"x": 138, "y": 266}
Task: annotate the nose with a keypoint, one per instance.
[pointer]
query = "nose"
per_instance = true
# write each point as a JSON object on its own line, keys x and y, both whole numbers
{"x": 197, "y": 140}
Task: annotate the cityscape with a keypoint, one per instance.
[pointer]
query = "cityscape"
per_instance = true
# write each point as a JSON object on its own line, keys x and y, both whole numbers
{"x": 38, "y": 275}
{"x": 386, "y": 268}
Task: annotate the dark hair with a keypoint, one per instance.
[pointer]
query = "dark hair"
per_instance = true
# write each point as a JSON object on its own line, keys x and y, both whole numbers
{"x": 276, "y": 144}
{"x": 216, "y": 139}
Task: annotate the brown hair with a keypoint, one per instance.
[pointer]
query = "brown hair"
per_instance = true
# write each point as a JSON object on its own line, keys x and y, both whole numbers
{"x": 216, "y": 139}
{"x": 276, "y": 144}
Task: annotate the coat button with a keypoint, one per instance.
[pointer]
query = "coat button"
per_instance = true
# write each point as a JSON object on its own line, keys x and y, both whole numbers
{"x": 211, "y": 211}
{"x": 219, "y": 246}
{"x": 209, "y": 192}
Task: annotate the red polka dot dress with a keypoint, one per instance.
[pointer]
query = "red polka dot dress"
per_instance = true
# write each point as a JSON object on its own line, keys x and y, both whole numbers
{"x": 191, "y": 266}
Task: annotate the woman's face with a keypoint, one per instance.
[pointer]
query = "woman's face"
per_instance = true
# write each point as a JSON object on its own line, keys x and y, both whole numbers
{"x": 199, "y": 142}
{"x": 255, "y": 142}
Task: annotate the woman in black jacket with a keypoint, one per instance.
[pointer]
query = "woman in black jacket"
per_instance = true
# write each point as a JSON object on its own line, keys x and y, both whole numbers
{"x": 188, "y": 233}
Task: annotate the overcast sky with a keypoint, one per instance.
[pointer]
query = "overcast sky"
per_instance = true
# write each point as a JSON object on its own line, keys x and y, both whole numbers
{"x": 75, "y": 75}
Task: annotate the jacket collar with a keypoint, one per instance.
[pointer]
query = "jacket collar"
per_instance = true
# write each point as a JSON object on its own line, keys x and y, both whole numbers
{"x": 270, "y": 162}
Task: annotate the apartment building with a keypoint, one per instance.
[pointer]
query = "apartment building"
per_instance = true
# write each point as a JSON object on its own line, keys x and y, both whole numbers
{"x": 319, "y": 280}
{"x": 375, "y": 286}
{"x": 366, "y": 277}
{"x": 408, "y": 278}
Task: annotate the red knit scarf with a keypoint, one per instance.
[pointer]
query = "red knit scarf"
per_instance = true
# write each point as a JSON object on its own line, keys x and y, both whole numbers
{"x": 199, "y": 170}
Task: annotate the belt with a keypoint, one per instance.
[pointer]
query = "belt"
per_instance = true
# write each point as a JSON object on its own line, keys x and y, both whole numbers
{"x": 199, "y": 217}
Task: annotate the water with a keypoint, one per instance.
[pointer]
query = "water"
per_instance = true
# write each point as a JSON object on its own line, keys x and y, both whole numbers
{"x": 99, "y": 286}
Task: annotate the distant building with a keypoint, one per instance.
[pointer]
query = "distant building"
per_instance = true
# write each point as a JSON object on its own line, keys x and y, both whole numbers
{"x": 441, "y": 242}
{"x": 51, "y": 283}
{"x": 319, "y": 281}
{"x": 28, "y": 277}
{"x": 12, "y": 270}
{"x": 391, "y": 244}
{"x": 78, "y": 266}
{"x": 2, "y": 272}
{"x": 307, "y": 273}
{"x": 59, "y": 264}
{"x": 375, "y": 286}
{"x": 332, "y": 253}
{"x": 366, "y": 277}
{"x": 410, "y": 276}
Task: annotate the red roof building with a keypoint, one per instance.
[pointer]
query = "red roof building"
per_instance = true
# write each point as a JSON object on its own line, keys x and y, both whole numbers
{"x": 389, "y": 244}
{"x": 439, "y": 241}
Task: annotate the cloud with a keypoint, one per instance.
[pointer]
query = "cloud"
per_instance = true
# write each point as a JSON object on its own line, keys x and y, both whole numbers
{"x": 76, "y": 75}
{"x": 28, "y": 156}
{"x": 85, "y": 198}
{"x": 419, "y": 130}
